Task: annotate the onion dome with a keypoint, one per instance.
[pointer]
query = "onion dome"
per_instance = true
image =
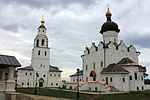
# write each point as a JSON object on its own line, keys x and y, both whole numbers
{"x": 109, "y": 25}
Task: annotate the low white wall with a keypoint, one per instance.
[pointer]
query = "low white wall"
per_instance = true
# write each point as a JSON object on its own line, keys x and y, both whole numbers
{"x": 147, "y": 86}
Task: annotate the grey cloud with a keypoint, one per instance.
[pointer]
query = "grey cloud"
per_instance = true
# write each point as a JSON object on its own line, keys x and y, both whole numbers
{"x": 49, "y": 3}
{"x": 142, "y": 40}
{"x": 12, "y": 28}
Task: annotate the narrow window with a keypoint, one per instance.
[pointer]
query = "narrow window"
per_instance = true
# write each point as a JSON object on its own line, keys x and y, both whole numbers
{"x": 77, "y": 80}
{"x": 30, "y": 74}
{"x": 45, "y": 53}
{"x": 54, "y": 74}
{"x": 86, "y": 67}
{"x": 39, "y": 52}
{"x": 59, "y": 75}
{"x": 43, "y": 30}
{"x": 101, "y": 64}
{"x": 107, "y": 80}
{"x": 56, "y": 84}
{"x": 130, "y": 77}
{"x": 142, "y": 78}
{"x": 42, "y": 42}
{"x": 111, "y": 79}
{"x": 137, "y": 88}
{"x": 135, "y": 75}
{"x": 89, "y": 88}
{"x": 50, "y": 74}
{"x": 26, "y": 73}
{"x": 43, "y": 75}
{"x": 51, "y": 84}
{"x": 22, "y": 83}
{"x": 73, "y": 79}
{"x": 93, "y": 65}
{"x": 86, "y": 79}
{"x": 96, "y": 89}
{"x": 123, "y": 79}
{"x": 37, "y": 43}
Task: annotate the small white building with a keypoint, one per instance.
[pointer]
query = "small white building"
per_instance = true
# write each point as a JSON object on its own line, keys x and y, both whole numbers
{"x": 40, "y": 71}
{"x": 110, "y": 66}
{"x": 7, "y": 71}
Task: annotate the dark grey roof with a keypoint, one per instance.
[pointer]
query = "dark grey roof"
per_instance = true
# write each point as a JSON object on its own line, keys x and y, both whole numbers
{"x": 25, "y": 68}
{"x": 6, "y": 60}
{"x": 114, "y": 69}
{"x": 125, "y": 61}
{"x": 42, "y": 26}
{"x": 76, "y": 74}
{"x": 54, "y": 69}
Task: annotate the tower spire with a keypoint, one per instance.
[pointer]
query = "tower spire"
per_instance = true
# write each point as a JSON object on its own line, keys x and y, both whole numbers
{"x": 42, "y": 20}
{"x": 108, "y": 14}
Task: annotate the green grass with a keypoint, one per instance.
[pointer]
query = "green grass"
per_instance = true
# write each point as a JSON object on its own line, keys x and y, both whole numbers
{"x": 134, "y": 95}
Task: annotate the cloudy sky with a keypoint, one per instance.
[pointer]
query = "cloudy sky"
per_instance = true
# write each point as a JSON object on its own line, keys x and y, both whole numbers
{"x": 72, "y": 25}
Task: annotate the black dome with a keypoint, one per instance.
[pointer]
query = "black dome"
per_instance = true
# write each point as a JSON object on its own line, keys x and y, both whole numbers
{"x": 109, "y": 26}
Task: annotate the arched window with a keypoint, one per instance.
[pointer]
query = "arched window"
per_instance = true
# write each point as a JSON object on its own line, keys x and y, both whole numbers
{"x": 39, "y": 52}
{"x": 37, "y": 42}
{"x": 42, "y": 42}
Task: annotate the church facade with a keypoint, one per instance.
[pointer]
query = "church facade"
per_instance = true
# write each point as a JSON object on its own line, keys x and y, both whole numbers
{"x": 111, "y": 65}
{"x": 40, "y": 73}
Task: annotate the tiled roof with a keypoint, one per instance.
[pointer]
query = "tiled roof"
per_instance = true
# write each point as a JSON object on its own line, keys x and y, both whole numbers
{"x": 54, "y": 69}
{"x": 25, "y": 68}
{"x": 6, "y": 60}
{"x": 76, "y": 74}
{"x": 114, "y": 69}
{"x": 125, "y": 61}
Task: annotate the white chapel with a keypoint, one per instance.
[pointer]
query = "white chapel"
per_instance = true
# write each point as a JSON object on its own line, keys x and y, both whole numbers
{"x": 109, "y": 66}
{"x": 40, "y": 72}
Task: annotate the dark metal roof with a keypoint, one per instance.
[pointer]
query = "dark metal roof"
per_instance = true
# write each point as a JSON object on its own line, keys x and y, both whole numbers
{"x": 25, "y": 68}
{"x": 125, "y": 61}
{"x": 42, "y": 26}
{"x": 76, "y": 74}
{"x": 54, "y": 69}
{"x": 6, "y": 60}
{"x": 114, "y": 69}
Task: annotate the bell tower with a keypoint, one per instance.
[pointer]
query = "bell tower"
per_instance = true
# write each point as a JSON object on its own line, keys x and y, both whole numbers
{"x": 41, "y": 51}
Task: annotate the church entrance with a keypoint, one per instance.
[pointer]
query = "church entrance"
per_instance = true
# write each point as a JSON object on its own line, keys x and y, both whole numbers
{"x": 41, "y": 82}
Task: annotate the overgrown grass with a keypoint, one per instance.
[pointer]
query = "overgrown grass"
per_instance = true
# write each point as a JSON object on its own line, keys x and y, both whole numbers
{"x": 134, "y": 95}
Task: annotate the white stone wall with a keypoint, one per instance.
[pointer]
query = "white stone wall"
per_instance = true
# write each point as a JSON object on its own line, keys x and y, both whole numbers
{"x": 134, "y": 83}
{"x": 117, "y": 81}
{"x": 112, "y": 55}
{"x": 110, "y": 36}
{"x": 54, "y": 79}
{"x": 75, "y": 78}
{"x": 25, "y": 77}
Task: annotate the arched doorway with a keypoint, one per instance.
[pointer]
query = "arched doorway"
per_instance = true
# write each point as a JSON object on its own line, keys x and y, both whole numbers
{"x": 41, "y": 82}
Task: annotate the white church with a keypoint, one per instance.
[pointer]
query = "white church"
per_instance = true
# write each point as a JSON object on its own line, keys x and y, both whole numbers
{"x": 40, "y": 73}
{"x": 110, "y": 65}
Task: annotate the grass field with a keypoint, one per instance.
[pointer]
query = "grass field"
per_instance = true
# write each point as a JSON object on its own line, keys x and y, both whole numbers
{"x": 139, "y": 95}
